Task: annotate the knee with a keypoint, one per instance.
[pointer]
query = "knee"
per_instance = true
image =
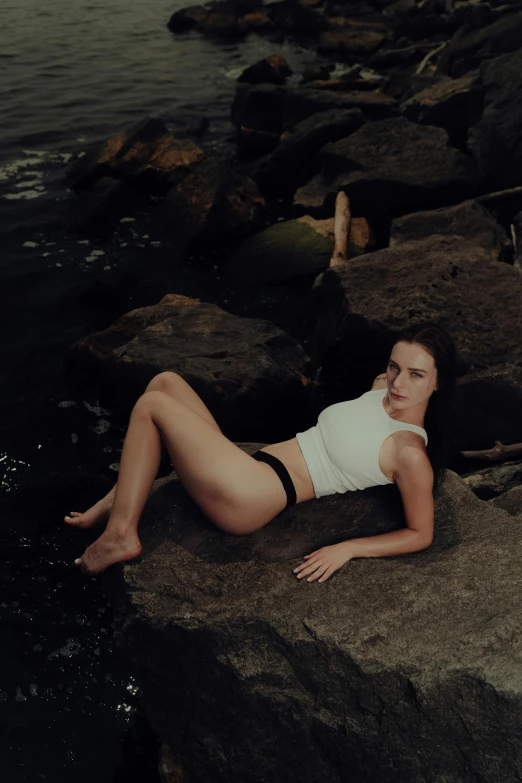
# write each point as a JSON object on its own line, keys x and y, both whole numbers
{"x": 149, "y": 400}
{"x": 163, "y": 380}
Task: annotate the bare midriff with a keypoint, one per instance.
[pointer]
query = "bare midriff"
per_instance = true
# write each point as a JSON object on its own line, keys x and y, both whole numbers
{"x": 290, "y": 454}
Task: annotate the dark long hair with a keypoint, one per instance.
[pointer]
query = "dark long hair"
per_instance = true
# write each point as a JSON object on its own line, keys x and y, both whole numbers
{"x": 438, "y": 420}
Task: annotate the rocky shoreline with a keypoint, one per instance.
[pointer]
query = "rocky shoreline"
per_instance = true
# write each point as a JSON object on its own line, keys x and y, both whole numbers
{"x": 421, "y": 130}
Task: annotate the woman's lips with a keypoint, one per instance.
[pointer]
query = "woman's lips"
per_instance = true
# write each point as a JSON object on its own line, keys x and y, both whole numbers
{"x": 397, "y": 396}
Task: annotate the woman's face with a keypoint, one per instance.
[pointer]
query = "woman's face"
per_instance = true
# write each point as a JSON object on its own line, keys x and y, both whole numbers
{"x": 412, "y": 374}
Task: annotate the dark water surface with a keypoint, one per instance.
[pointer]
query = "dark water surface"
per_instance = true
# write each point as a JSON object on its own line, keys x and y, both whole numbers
{"x": 72, "y": 72}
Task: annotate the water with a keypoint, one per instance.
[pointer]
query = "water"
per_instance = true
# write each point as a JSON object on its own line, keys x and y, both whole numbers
{"x": 73, "y": 72}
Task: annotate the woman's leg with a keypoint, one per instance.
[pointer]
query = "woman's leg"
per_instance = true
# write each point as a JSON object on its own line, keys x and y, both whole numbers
{"x": 176, "y": 387}
{"x": 236, "y": 492}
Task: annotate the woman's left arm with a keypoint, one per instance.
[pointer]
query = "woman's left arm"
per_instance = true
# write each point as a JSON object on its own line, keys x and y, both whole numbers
{"x": 414, "y": 477}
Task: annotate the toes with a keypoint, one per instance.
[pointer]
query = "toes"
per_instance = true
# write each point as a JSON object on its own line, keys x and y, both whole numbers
{"x": 83, "y": 568}
{"x": 73, "y": 516}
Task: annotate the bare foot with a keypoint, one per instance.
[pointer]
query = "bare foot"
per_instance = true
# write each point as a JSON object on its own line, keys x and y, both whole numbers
{"x": 108, "y": 549}
{"x": 100, "y": 512}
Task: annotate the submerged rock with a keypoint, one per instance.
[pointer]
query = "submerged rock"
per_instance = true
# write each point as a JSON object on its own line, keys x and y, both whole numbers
{"x": 376, "y": 675}
{"x": 146, "y": 155}
{"x": 249, "y": 372}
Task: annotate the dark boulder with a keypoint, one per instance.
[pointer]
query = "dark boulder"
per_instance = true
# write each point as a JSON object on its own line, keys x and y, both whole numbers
{"x": 445, "y": 279}
{"x": 146, "y": 155}
{"x": 389, "y": 168}
{"x": 270, "y": 70}
{"x": 377, "y": 675}
{"x": 452, "y": 104}
{"x": 466, "y": 52}
{"x": 249, "y": 372}
{"x": 496, "y": 139}
{"x": 469, "y": 220}
{"x": 295, "y": 159}
{"x": 213, "y": 204}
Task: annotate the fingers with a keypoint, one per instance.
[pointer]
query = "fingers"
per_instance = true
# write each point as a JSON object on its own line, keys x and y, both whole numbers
{"x": 305, "y": 567}
{"x": 319, "y": 571}
{"x": 329, "y": 571}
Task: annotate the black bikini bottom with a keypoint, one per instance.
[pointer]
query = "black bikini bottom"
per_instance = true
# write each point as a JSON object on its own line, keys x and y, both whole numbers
{"x": 277, "y": 465}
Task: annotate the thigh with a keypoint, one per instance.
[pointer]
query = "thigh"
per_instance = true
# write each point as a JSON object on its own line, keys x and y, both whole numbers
{"x": 234, "y": 490}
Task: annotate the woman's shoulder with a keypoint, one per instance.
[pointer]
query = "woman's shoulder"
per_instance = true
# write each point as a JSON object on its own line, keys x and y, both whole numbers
{"x": 409, "y": 452}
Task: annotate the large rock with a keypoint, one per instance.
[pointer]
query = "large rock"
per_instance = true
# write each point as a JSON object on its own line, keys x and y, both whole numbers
{"x": 305, "y": 101}
{"x": 496, "y": 140}
{"x": 349, "y": 44}
{"x": 213, "y": 204}
{"x": 389, "y": 168}
{"x": 188, "y": 18}
{"x": 282, "y": 251}
{"x": 273, "y": 70}
{"x": 258, "y": 112}
{"x": 249, "y": 372}
{"x": 294, "y": 248}
{"x": 468, "y": 219}
{"x": 490, "y": 405}
{"x": 402, "y": 669}
{"x": 225, "y": 19}
{"x": 445, "y": 279}
{"x": 452, "y": 104}
{"x": 146, "y": 155}
{"x": 295, "y": 159}
{"x": 466, "y": 52}
{"x": 510, "y": 501}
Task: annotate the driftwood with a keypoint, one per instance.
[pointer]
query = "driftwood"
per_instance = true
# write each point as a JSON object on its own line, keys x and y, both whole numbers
{"x": 499, "y": 452}
{"x": 342, "y": 221}
{"x": 498, "y": 195}
{"x": 429, "y": 57}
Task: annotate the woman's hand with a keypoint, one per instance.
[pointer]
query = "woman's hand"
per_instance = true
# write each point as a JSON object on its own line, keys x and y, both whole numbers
{"x": 322, "y": 563}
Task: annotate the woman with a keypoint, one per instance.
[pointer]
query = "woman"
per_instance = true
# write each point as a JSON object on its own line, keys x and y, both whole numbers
{"x": 378, "y": 438}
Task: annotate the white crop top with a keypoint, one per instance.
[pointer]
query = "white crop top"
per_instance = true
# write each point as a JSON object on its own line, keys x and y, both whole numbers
{"x": 342, "y": 451}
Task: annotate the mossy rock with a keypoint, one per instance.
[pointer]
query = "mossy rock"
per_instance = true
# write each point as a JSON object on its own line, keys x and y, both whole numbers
{"x": 284, "y": 250}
